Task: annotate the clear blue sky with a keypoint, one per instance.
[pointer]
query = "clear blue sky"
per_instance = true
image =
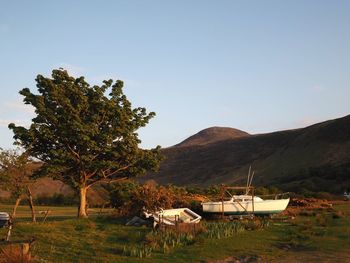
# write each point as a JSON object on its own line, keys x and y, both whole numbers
{"x": 258, "y": 66}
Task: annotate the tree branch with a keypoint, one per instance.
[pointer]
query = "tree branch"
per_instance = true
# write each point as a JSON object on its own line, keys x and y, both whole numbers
{"x": 119, "y": 170}
{"x": 94, "y": 157}
{"x": 102, "y": 119}
{"x": 88, "y": 176}
{"x": 107, "y": 181}
{"x": 74, "y": 152}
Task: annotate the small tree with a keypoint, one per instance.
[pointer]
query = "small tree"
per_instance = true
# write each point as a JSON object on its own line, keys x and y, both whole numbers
{"x": 149, "y": 197}
{"x": 121, "y": 192}
{"x": 15, "y": 172}
{"x": 82, "y": 135}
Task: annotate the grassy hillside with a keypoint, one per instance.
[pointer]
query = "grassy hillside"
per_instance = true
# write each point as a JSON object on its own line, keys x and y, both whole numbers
{"x": 315, "y": 158}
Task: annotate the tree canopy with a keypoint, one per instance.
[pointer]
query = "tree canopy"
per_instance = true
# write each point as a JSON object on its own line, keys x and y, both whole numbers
{"x": 14, "y": 172}
{"x": 15, "y": 176}
{"x": 84, "y": 134}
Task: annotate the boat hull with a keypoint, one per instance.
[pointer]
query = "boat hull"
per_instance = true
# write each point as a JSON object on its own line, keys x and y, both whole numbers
{"x": 174, "y": 216}
{"x": 265, "y": 207}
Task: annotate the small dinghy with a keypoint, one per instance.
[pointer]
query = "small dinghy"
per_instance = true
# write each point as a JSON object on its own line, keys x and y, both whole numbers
{"x": 174, "y": 216}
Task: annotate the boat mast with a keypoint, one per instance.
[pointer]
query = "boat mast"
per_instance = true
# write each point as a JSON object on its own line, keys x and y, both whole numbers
{"x": 246, "y": 191}
{"x": 249, "y": 180}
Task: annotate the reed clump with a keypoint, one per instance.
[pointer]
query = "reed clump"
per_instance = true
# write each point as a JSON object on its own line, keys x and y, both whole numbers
{"x": 142, "y": 251}
{"x": 168, "y": 239}
{"x": 220, "y": 230}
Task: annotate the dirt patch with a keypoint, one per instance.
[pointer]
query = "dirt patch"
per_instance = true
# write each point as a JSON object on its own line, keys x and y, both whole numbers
{"x": 241, "y": 259}
{"x": 314, "y": 257}
{"x": 290, "y": 257}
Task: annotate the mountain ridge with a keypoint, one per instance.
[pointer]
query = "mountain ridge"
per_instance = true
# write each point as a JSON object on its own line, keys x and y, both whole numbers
{"x": 310, "y": 155}
{"x": 314, "y": 158}
{"x": 212, "y": 135}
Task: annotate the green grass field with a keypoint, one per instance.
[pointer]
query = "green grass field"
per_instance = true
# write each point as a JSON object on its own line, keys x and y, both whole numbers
{"x": 56, "y": 212}
{"x": 322, "y": 237}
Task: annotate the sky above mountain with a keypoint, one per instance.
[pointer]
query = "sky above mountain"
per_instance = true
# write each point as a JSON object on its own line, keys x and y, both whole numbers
{"x": 258, "y": 66}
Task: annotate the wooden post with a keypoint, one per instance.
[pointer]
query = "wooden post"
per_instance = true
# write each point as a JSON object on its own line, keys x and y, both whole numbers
{"x": 238, "y": 202}
{"x": 8, "y": 235}
{"x": 176, "y": 222}
{"x": 46, "y": 214}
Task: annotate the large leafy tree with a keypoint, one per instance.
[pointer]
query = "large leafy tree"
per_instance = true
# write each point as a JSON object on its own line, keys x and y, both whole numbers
{"x": 84, "y": 134}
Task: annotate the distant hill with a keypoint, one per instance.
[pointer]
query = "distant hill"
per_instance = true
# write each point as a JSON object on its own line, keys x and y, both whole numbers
{"x": 315, "y": 158}
{"x": 97, "y": 195}
{"x": 211, "y": 135}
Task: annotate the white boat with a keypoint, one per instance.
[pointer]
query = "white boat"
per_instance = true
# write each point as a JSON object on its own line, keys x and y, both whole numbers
{"x": 245, "y": 204}
{"x": 174, "y": 216}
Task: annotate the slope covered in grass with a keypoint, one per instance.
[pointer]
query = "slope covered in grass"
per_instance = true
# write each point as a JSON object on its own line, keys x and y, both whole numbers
{"x": 315, "y": 158}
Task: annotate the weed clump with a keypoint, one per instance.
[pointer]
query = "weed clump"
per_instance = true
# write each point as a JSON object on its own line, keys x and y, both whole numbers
{"x": 165, "y": 240}
{"x": 223, "y": 229}
{"x": 138, "y": 251}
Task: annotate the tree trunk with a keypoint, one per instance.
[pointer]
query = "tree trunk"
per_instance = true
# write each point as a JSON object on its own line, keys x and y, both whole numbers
{"x": 83, "y": 204}
{"x": 31, "y": 204}
{"x": 18, "y": 200}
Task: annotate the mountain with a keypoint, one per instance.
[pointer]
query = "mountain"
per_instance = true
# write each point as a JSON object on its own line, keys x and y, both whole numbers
{"x": 315, "y": 158}
{"x": 211, "y": 135}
